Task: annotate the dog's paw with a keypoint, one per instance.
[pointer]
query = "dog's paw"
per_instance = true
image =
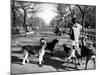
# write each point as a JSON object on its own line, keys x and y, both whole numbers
{"x": 28, "y": 61}
{"x": 23, "y": 63}
{"x": 93, "y": 57}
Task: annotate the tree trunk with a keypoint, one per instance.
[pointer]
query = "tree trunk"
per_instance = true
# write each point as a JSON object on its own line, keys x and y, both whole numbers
{"x": 83, "y": 23}
{"x": 83, "y": 16}
{"x": 24, "y": 24}
{"x": 14, "y": 15}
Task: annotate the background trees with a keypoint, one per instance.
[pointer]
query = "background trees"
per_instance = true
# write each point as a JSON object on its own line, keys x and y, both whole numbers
{"x": 85, "y": 15}
{"x": 23, "y": 11}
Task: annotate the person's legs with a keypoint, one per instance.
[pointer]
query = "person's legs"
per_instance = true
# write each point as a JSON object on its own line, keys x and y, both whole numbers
{"x": 77, "y": 47}
{"x": 73, "y": 42}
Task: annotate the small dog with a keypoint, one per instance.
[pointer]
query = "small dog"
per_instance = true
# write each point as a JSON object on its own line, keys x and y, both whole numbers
{"x": 51, "y": 45}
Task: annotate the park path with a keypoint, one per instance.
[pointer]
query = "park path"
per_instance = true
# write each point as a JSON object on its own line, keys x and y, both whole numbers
{"x": 55, "y": 63}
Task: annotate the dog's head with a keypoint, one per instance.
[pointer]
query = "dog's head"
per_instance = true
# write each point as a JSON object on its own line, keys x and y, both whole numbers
{"x": 43, "y": 42}
{"x": 42, "y": 39}
{"x": 55, "y": 40}
{"x": 73, "y": 47}
{"x": 64, "y": 45}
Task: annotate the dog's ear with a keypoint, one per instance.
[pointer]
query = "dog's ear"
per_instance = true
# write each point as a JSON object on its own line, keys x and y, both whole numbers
{"x": 56, "y": 40}
{"x": 80, "y": 46}
{"x": 64, "y": 45}
{"x": 43, "y": 42}
{"x": 42, "y": 39}
{"x": 94, "y": 44}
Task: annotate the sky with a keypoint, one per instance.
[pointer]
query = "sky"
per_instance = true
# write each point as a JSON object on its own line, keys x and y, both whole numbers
{"x": 47, "y": 13}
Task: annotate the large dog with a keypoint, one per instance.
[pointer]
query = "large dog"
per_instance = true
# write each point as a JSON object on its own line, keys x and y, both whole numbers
{"x": 30, "y": 50}
{"x": 51, "y": 45}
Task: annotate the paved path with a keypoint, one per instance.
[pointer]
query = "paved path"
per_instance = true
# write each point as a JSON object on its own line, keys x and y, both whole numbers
{"x": 55, "y": 63}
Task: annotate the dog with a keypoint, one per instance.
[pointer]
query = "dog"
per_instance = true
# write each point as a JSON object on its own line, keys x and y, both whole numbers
{"x": 51, "y": 45}
{"x": 42, "y": 51}
{"x": 37, "y": 50}
{"x": 67, "y": 50}
{"x": 70, "y": 53}
{"x": 88, "y": 52}
{"x": 29, "y": 50}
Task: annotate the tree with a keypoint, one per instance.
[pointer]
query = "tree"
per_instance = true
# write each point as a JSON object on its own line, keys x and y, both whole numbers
{"x": 88, "y": 14}
{"x": 66, "y": 14}
{"x": 25, "y": 8}
{"x": 14, "y": 9}
{"x": 90, "y": 19}
{"x": 61, "y": 10}
{"x": 13, "y": 12}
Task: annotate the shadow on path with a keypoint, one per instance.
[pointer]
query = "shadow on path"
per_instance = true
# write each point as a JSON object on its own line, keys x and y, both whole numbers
{"x": 16, "y": 60}
{"x": 57, "y": 64}
{"x": 17, "y": 52}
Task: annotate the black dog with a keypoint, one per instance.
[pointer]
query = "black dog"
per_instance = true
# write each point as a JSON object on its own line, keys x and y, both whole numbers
{"x": 89, "y": 53}
{"x": 51, "y": 45}
{"x": 67, "y": 50}
{"x": 86, "y": 52}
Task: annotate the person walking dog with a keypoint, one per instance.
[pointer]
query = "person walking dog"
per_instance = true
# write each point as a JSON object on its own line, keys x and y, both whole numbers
{"x": 75, "y": 34}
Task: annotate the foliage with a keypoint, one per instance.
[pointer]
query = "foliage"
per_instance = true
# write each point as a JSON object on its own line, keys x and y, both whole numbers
{"x": 84, "y": 14}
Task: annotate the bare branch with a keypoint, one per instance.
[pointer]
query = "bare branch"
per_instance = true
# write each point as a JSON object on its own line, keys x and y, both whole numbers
{"x": 80, "y": 9}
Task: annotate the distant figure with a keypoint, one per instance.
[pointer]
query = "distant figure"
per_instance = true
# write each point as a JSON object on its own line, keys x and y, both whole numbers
{"x": 29, "y": 33}
{"x": 75, "y": 34}
{"x": 56, "y": 30}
